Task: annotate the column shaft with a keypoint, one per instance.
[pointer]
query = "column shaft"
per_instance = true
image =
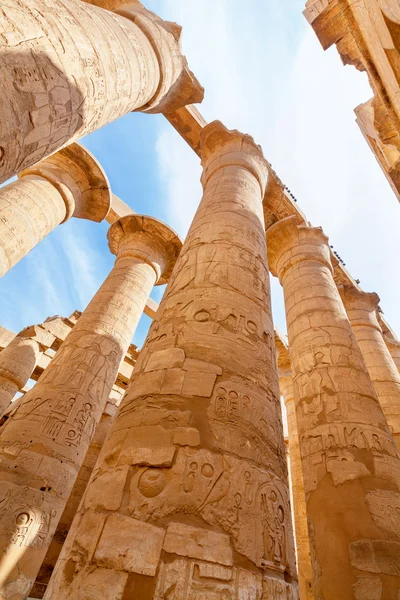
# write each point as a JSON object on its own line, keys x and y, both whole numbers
{"x": 351, "y": 467}
{"x": 189, "y": 497}
{"x": 29, "y": 210}
{"x": 69, "y": 68}
{"x": 299, "y": 501}
{"x": 361, "y": 310}
{"x": 43, "y": 446}
{"x": 17, "y": 363}
{"x": 68, "y": 183}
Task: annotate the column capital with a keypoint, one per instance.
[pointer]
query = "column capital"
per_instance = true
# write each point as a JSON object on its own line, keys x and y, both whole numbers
{"x": 360, "y": 306}
{"x": 80, "y": 180}
{"x": 290, "y": 242}
{"x": 221, "y": 147}
{"x": 178, "y": 86}
{"x": 147, "y": 238}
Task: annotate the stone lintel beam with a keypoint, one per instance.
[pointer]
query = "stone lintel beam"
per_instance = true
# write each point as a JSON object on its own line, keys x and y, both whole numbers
{"x": 366, "y": 36}
{"x": 118, "y": 209}
{"x": 189, "y": 123}
{"x": 57, "y": 89}
{"x": 306, "y": 588}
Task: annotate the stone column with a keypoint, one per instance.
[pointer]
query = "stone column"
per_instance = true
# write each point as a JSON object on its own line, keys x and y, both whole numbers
{"x": 74, "y": 499}
{"x": 69, "y": 183}
{"x": 361, "y": 309}
{"x": 189, "y": 497}
{"x": 18, "y": 361}
{"x": 68, "y": 68}
{"x": 304, "y": 568}
{"x": 350, "y": 461}
{"x": 394, "y": 349}
{"x": 44, "y": 444}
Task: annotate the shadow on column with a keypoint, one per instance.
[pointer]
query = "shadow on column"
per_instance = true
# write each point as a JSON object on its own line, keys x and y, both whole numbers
{"x": 35, "y": 107}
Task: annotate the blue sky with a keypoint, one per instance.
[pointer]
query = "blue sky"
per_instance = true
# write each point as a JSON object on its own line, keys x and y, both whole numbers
{"x": 264, "y": 73}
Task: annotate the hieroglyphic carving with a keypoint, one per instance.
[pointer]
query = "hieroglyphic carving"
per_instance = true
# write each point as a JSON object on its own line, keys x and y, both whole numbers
{"x": 347, "y": 449}
{"x": 49, "y": 433}
{"x": 366, "y": 35}
{"x": 51, "y": 103}
{"x": 197, "y": 445}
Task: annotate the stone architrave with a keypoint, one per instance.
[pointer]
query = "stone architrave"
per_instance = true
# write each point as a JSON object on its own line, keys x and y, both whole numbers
{"x": 70, "y": 183}
{"x": 75, "y": 497}
{"x": 44, "y": 444}
{"x": 68, "y": 68}
{"x": 361, "y": 309}
{"x": 351, "y": 467}
{"x": 189, "y": 497}
{"x": 366, "y": 35}
{"x": 306, "y": 591}
{"x": 18, "y": 361}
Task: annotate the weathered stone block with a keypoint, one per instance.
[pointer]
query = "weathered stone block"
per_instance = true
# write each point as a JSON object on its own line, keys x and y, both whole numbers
{"x": 198, "y": 543}
{"x": 130, "y": 545}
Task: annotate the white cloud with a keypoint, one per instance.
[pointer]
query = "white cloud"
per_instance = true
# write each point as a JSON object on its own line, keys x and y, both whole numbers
{"x": 265, "y": 73}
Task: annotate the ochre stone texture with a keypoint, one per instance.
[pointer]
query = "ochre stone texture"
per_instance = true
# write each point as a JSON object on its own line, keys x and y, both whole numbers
{"x": 367, "y": 35}
{"x": 189, "y": 498}
{"x": 351, "y": 467}
{"x": 44, "y": 443}
{"x": 77, "y": 492}
{"x": 68, "y": 68}
{"x": 69, "y": 183}
{"x": 18, "y": 361}
{"x": 361, "y": 309}
{"x": 304, "y": 568}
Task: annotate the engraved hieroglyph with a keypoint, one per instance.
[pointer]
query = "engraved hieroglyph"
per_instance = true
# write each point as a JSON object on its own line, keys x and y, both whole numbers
{"x": 18, "y": 361}
{"x": 366, "y": 34}
{"x": 189, "y": 498}
{"x": 68, "y": 68}
{"x": 351, "y": 467}
{"x": 75, "y": 497}
{"x": 361, "y": 309}
{"x": 44, "y": 444}
{"x": 70, "y": 183}
{"x": 304, "y": 568}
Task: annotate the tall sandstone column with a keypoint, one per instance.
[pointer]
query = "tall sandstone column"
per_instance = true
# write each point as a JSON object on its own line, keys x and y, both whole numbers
{"x": 18, "y": 360}
{"x": 44, "y": 444}
{"x": 68, "y": 68}
{"x": 351, "y": 466}
{"x": 361, "y": 309}
{"x": 69, "y": 183}
{"x": 304, "y": 568}
{"x": 189, "y": 497}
